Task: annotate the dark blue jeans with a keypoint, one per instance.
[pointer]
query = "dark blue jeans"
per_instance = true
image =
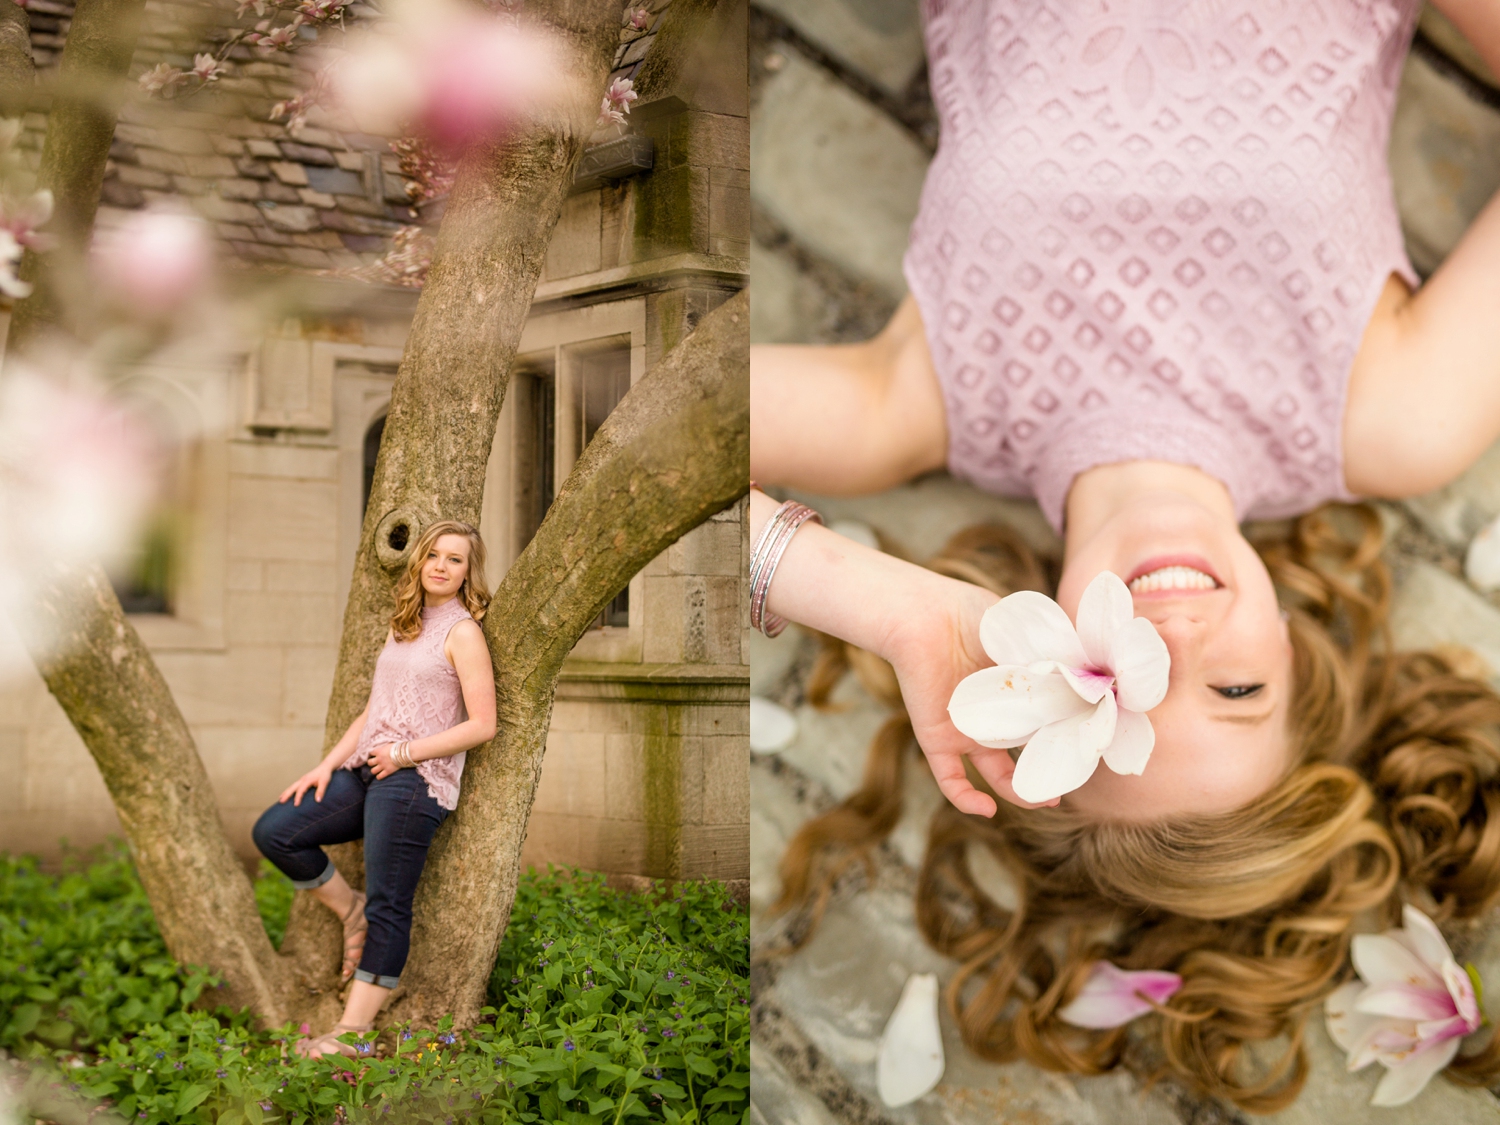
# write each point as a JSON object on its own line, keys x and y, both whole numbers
{"x": 396, "y": 817}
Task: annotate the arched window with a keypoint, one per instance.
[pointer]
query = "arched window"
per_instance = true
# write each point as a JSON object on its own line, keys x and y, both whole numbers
{"x": 372, "y": 451}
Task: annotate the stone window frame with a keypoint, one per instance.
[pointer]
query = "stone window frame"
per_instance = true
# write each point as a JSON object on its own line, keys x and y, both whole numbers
{"x": 557, "y": 332}
{"x": 197, "y": 400}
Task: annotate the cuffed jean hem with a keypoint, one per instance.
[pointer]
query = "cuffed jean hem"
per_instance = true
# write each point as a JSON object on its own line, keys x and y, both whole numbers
{"x": 313, "y": 884}
{"x": 372, "y": 978}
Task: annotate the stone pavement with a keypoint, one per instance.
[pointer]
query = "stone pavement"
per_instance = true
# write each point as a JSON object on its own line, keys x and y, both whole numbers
{"x": 841, "y": 133}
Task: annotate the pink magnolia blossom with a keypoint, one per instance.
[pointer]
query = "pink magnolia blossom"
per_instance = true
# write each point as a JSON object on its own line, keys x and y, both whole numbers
{"x": 453, "y": 72}
{"x": 280, "y": 38}
{"x": 1070, "y": 696}
{"x": 637, "y": 18}
{"x": 154, "y": 261}
{"x": 1408, "y": 1009}
{"x": 245, "y": 5}
{"x": 1113, "y": 996}
{"x": 162, "y": 78}
{"x": 207, "y": 68}
{"x": 21, "y": 217}
{"x": 75, "y": 467}
{"x": 616, "y": 103}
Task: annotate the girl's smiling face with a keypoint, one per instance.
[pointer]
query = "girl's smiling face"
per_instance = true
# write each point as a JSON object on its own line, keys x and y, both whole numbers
{"x": 446, "y": 567}
{"x": 1221, "y": 731}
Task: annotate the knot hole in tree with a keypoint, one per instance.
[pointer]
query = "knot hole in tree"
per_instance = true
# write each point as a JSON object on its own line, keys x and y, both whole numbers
{"x": 396, "y": 536}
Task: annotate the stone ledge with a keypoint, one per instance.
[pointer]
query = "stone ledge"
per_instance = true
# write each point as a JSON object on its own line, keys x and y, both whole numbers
{"x": 653, "y": 270}
{"x": 654, "y": 683}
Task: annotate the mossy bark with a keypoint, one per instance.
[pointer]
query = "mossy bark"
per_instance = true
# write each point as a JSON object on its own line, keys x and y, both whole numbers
{"x": 674, "y": 452}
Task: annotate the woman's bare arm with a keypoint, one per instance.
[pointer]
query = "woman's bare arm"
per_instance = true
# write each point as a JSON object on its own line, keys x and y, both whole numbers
{"x": 1424, "y": 393}
{"x": 849, "y": 418}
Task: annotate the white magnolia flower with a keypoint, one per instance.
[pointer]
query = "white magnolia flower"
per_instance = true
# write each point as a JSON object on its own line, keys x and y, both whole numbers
{"x": 1069, "y": 696}
{"x": 1409, "y": 1008}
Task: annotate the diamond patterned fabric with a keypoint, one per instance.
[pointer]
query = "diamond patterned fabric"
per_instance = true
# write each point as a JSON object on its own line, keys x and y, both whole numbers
{"x": 1156, "y": 229}
{"x": 416, "y": 693}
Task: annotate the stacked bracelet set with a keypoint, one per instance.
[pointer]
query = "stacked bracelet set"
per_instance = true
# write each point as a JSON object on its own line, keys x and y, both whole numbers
{"x": 767, "y": 554}
{"x": 401, "y": 756}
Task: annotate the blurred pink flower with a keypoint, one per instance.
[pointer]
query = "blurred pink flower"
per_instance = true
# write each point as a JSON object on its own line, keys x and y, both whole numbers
{"x": 616, "y": 103}
{"x": 1408, "y": 1009}
{"x": 246, "y": 5}
{"x": 455, "y": 73}
{"x": 21, "y": 217}
{"x": 275, "y": 39}
{"x": 207, "y": 68}
{"x": 162, "y": 78}
{"x": 154, "y": 261}
{"x": 75, "y": 467}
{"x": 637, "y": 18}
{"x": 1113, "y": 996}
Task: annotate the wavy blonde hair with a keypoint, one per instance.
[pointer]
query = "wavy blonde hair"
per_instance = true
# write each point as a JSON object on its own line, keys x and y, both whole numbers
{"x": 406, "y": 622}
{"x": 1394, "y": 795}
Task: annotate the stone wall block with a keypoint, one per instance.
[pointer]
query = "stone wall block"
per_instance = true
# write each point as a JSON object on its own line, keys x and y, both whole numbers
{"x": 663, "y": 642}
{"x": 726, "y": 781}
{"x": 272, "y": 618}
{"x": 625, "y": 775}
{"x": 249, "y": 768}
{"x": 240, "y": 686}
{"x": 242, "y": 574}
{"x": 13, "y": 769}
{"x": 711, "y": 851}
{"x": 575, "y": 246}
{"x": 309, "y": 680}
{"x": 729, "y": 212}
{"x": 711, "y": 139}
{"x": 693, "y": 783}
{"x": 713, "y": 547}
{"x": 300, "y": 578}
{"x": 671, "y": 212}
{"x": 271, "y": 518}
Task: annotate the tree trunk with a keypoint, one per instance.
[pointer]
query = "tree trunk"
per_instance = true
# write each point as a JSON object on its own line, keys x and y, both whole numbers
{"x": 80, "y": 125}
{"x": 90, "y": 657}
{"x": 675, "y": 451}
{"x": 451, "y": 383}
{"x": 117, "y": 700}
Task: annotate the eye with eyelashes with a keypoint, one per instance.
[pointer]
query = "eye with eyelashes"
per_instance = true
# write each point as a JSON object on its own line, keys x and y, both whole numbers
{"x": 1239, "y": 691}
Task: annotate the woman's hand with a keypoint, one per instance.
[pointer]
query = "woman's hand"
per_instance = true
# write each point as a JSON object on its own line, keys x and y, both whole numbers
{"x": 316, "y": 779}
{"x": 931, "y": 652}
{"x": 381, "y": 762}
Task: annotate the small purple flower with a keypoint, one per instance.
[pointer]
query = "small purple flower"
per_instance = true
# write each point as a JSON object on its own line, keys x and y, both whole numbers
{"x": 222, "y": 1073}
{"x": 393, "y": 1070}
{"x": 362, "y": 1047}
{"x": 161, "y": 1054}
{"x": 220, "y": 1041}
{"x": 547, "y": 944}
{"x": 515, "y": 980}
{"x": 266, "y": 1107}
{"x": 588, "y": 972}
{"x": 567, "y": 1044}
{"x": 447, "y": 1039}
{"x": 670, "y": 974}
{"x": 405, "y": 1035}
{"x": 668, "y": 1033}
{"x": 176, "y": 1066}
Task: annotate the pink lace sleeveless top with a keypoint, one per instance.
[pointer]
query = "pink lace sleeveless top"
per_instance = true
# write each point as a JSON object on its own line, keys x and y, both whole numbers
{"x": 1156, "y": 229}
{"x": 416, "y": 693}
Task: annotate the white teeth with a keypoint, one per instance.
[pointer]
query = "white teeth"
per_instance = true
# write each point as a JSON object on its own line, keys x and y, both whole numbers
{"x": 1173, "y": 578}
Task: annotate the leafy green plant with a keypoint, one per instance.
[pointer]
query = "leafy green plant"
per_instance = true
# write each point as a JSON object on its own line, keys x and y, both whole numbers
{"x": 604, "y": 1007}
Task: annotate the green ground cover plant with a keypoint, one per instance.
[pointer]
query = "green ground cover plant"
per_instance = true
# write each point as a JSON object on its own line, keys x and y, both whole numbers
{"x": 603, "y": 1007}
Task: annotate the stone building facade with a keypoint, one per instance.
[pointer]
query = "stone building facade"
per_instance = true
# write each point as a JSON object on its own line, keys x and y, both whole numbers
{"x": 646, "y": 770}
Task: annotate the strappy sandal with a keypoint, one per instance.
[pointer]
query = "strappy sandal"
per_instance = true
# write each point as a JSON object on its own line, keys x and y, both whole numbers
{"x": 354, "y": 938}
{"x": 328, "y": 1043}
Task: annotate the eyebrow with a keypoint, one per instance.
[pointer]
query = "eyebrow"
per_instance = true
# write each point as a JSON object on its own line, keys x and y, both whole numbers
{"x": 1245, "y": 720}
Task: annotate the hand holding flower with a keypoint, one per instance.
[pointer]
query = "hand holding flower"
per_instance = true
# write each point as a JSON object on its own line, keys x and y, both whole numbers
{"x": 1070, "y": 696}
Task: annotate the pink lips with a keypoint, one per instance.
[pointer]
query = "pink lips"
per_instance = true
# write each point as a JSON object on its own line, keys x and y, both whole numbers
{"x": 1158, "y": 562}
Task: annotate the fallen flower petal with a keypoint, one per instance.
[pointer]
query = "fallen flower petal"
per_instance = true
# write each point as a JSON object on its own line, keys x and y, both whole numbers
{"x": 772, "y": 726}
{"x": 910, "y": 1061}
{"x": 1113, "y": 996}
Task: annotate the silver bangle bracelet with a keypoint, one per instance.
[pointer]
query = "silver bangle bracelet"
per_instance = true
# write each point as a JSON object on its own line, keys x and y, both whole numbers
{"x": 766, "y": 556}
